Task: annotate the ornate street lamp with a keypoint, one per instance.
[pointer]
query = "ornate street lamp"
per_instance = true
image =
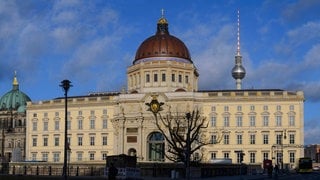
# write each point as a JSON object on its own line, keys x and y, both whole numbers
{"x": 65, "y": 84}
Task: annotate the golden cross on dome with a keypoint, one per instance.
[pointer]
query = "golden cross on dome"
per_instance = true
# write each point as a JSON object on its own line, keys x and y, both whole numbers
{"x": 162, "y": 12}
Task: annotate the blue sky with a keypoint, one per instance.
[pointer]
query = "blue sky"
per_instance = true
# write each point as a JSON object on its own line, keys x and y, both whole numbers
{"x": 91, "y": 43}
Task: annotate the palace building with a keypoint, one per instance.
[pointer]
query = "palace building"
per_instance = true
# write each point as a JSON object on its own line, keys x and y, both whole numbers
{"x": 261, "y": 123}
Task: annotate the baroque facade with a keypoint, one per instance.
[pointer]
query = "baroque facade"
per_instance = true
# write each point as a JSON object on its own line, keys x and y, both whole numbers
{"x": 261, "y": 123}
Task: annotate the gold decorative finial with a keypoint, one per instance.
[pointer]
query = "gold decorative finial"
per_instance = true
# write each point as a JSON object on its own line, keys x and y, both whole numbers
{"x": 162, "y": 20}
{"x": 15, "y": 81}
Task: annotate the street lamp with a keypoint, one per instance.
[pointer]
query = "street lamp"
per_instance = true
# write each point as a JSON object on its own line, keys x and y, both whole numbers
{"x": 283, "y": 137}
{"x": 65, "y": 84}
{"x": 188, "y": 144}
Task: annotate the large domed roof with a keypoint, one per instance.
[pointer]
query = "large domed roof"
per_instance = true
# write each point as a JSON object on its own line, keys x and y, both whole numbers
{"x": 162, "y": 44}
{"x": 14, "y": 99}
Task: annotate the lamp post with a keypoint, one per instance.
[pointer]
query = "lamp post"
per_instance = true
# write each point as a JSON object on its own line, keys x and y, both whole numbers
{"x": 283, "y": 137}
{"x": 65, "y": 84}
{"x": 188, "y": 144}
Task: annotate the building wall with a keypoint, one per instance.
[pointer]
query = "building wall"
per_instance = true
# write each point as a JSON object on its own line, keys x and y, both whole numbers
{"x": 130, "y": 124}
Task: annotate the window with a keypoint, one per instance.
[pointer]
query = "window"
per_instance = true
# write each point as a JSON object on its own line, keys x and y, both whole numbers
{"x": 291, "y": 120}
{"x": 45, "y": 141}
{"x": 45, "y": 126}
{"x": 291, "y": 138}
{"x": 147, "y": 78}
{"x": 252, "y": 139}
{"x": 292, "y": 157}
{"x": 265, "y": 139}
{"x": 35, "y": 115}
{"x": 213, "y": 121}
{"x": 69, "y": 141}
{"x": 92, "y": 113}
{"x": 213, "y": 139}
{"x": 265, "y": 108}
{"x": 104, "y": 140}
{"x": 252, "y": 157}
{"x": 265, "y": 120}
{"x": 226, "y": 121}
{"x": 45, "y": 157}
{"x": 252, "y": 121}
{"x": 56, "y": 157}
{"x": 79, "y": 113}
{"x": 265, "y": 155}
{"x": 68, "y": 124}
{"x": 173, "y": 77}
{"x": 163, "y": 77}
{"x": 226, "y": 108}
{"x": 34, "y": 141}
{"x": 45, "y": 114}
{"x": 187, "y": 79}
{"x": 92, "y": 123}
{"x": 226, "y": 155}
{"x": 279, "y": 139}
{"x": 155, "y": 77}
{"x": 56, "y": 141}
{"x": 105, "y": 123}
{"x": 278, "y": 108}
{"x": 239, "y": 121}
{"x": 34, "y": 126}
{"x": 278, "y": 120}
{"x": 34, "y": 156}
{"x": 80, "y": 141}
{"x": 226, "y": 139}
{"x": 79, "y": 156}
{"x": 80, "y": 124}
{"x": 92, "y": 141}
{"x": 56, "y": 114}
{"x": 180, "y": 78}
{"x": 213, "y": 155}
{"x": 252, "y": 108}
{"x": 91, "y": 155}
{"x": 291, "y": 107}
{"x": 239, "y": 138}
{"x": 56, "y": 125}
{"x": 213, "y": 108}
{"x": 105, "y": 112}
{"x": 104, "y": 156}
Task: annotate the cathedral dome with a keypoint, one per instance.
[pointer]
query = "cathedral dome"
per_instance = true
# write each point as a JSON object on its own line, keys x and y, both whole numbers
{"x": 162, "y": 44}
{"x": 14, "y": 99}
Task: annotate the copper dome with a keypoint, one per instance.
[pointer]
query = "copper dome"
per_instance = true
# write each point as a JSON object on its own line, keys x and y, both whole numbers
{"x": 162, "y": 44}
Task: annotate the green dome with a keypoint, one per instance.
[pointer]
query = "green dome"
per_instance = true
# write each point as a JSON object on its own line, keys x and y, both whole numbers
{"x": 14, "y": 99}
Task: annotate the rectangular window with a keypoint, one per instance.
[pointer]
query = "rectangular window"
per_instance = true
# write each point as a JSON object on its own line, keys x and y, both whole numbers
{"x": 239, "y": 108}
{"x": 69, "y": 141}
{"x": 239, "y": 139}
{"x": 79, "y": 156}
{"x": 291, "y": 120}
{"x": 173, "y": 77}
{"x": 252, "y": 157}
{"x": 80, "y": 141}
{"x": 92, "y": 124}
{"x": 278, "y": 120}
{"x": 239, "y": 121}
{"x": 291, "y": 107}
{"x": 104, "y": 140}
{"x": 226, "y": 108}
{"x": 69, "y": 124}
{"x": 291, "y": 139}
{"x": 45, "y": 157}
{"x": 56, "y": 114}
{"x": 92, "y": 113}
{"x": 56, "y": 157}
{"x": 265, "y": 121}
{"x": 104, "y": 112}
{"x": 187, "y": 79}
{"x": 213, "y": 139}
{"x": 147, "y": 78}
{"x": 34, "y": 126}
{"x": 226, "y": 155}
{"x": 45, "y": 126}
{"x": 213, "y": 108}
{"x": 252, "y": 139}
{"x": 91, "y": 155}
{"x": 56, "y": 125}
{"x": 226, "y": 122}
{"x": 265, "y": 108}
{"x": 56, "y": 141}
{"x": 226, "y": 139}
{"x": 105, "y": 123}
{"x": 278, "y": 108}
{"x": 34, "y": 141}
{"x": 79, "y": 113}
{"x": 265, "y": 139}
{"x": 34, "y": 156}
{"x": 180, "y": 78}
{"x": 104, "y": 156}
{"x": 213, "y": 155}
{"x": 163, "y": 77}
{"x": 213, "y": 121}
{"x": 80, "y": 124}
{"x": 45, "y": 141}
{"x": 45, "y": 114}
{"x": 155, "y": 77}
{"x": 252, "y": 108}
{"x": 265, "y": 155}
{"x": 252, "y": 121}
{"x": 292, "y": 157}
{"x": 279, "y": 139}
{"x": 92, "y": 141}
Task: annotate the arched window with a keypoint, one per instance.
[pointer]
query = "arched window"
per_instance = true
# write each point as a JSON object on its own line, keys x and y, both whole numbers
{"x": 132, "y": 152}
{"x": 156, "y": 147}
